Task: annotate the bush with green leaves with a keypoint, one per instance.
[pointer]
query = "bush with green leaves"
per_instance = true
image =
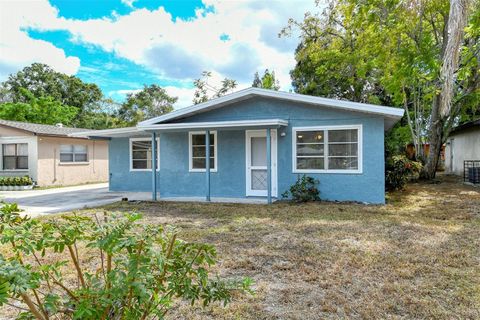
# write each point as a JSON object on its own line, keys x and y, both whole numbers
{"x": 110, "y": 267}
{"x": 304, "y": 190}
{"x": 16, "y": 181}
{"x": 399, "y": 170}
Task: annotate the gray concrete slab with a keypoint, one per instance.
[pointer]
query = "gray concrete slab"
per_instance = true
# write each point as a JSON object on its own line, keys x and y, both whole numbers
{"x": 38, "y": 202}
{"x": 249, "y": 200}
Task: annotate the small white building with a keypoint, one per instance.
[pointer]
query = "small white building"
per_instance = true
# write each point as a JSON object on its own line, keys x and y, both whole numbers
{"x": 463, "y": 144}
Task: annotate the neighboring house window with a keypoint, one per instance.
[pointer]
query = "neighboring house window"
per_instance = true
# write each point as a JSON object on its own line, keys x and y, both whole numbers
{"x": 335, "y": 149}
{"x": 197, "y": 151}
{"x": 15, "y": 156}
{"x": 73, "y": 153}
{"x": 141, "y": 154}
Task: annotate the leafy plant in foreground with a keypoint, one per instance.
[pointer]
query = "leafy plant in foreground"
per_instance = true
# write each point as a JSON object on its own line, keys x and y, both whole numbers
{"x": 122, "y": 269}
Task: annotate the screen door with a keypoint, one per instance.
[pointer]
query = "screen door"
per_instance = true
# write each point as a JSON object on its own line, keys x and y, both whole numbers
{"x": 257, "y": 162}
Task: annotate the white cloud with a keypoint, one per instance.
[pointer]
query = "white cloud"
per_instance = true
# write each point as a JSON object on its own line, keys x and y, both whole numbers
{"x": 178, "y": 49}
{"x": 123, "y": 92}
{"x": 128, "y": 3}
{"x": 173, "y": 62}
{"x": 185, "y": 96}
{"x": 17, "y": 49}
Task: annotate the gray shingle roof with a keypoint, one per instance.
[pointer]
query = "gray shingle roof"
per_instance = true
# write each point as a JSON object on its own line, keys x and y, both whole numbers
{"x": 468, "y": 125}
{"x": 41, "y": 129}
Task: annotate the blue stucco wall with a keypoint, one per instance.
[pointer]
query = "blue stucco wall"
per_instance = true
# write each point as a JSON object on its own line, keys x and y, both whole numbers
{"x": 175, "y": 180}
{"x": 121, "y": 178}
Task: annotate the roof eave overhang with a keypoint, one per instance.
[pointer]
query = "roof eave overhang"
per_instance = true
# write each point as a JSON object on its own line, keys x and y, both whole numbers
{"x": 470, "y": 126}
{"x": 107, "y": 133}
{"x": 183, "y": 126}
{"x": 57, "y": 135}
{"x": 389, "y": 122}
{"x": 264, "y": 123}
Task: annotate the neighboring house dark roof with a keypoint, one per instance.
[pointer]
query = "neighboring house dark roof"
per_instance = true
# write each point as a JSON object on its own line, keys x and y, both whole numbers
{"x": 41, "y": 129}
{"x": 465, "y": 126}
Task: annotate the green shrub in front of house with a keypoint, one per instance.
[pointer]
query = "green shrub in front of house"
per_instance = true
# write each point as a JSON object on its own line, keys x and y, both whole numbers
{"x": 16, "y": 183}
{"x": 304, "y": 190}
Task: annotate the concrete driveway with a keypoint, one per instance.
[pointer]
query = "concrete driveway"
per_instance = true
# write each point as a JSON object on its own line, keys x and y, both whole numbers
{"x": 38, "y": 202}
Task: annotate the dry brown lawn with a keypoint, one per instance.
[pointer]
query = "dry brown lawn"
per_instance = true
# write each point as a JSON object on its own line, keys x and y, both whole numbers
{"x": 416, "y": 257}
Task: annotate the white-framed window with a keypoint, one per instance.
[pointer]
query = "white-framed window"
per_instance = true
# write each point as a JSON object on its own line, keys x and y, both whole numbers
{"x": 197, "y": 151}
{"x": 327, "y": 149}
{"x": 15, "y": 156}
{"x": 141, "y": 154}
{"x": 73, "y": 153}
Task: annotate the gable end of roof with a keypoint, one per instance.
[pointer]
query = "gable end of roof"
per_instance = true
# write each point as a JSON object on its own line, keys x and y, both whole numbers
{"x": 390, "y": 114}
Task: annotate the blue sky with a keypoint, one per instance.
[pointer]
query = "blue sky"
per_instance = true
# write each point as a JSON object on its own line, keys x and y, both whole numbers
{"x": 123, "y": 44}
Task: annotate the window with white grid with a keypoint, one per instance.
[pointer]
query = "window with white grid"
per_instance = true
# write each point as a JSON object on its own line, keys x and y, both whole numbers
{"x": 333, "y": 149}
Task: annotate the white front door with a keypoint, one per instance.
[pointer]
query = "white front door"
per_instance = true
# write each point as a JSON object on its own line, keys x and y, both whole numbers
{"x": 256, "y": 156}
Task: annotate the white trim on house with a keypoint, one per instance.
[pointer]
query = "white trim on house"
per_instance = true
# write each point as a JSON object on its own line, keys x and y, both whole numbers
{"x": 32, "y": 142}
{"x": 218, "y": 124}
{"x": 359, "y": 127}
{"x": 248, "y": 167}
{"x": 117, "y": 132}
{"x": 190, "y": 155}
{"x": 131, "y": 155}
{"x": 387, "y": 112}
{"x": 143, "y": 130}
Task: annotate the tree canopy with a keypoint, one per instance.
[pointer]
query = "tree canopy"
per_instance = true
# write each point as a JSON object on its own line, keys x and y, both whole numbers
{"x": 42, "y": 81}
{"x": 268, "y": 81}
{"x": 390, "y": 53}
{"x": 44, "y": 110}
{"x": 151, "y": 101}
{"x": 205, "y": 91}
{"x": 40, "y": 94}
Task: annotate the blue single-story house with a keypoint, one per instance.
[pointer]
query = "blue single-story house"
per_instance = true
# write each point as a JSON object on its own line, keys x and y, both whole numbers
{"x": 257, "y": 142}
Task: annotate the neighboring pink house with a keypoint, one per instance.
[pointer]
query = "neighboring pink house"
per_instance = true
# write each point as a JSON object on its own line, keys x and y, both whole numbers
{"x": 49, "y": 156}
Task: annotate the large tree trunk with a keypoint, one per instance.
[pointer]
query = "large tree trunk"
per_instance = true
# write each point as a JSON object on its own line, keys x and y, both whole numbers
{"x": 436, "y": 140}
{"x": 442, "y": 103}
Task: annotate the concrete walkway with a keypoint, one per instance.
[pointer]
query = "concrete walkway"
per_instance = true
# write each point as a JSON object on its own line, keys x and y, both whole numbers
{"x": 249, "y": 200}
{"x": 38, "y": 202}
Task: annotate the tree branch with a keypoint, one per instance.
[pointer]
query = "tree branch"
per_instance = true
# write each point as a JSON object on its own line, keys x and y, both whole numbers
{"x": 77, "y": 266}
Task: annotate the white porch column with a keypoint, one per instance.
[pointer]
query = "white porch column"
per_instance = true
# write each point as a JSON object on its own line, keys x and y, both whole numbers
{"x": 269, "y": 166}
{"x": 154, "y": 166}
{"x": 207, "y": 163}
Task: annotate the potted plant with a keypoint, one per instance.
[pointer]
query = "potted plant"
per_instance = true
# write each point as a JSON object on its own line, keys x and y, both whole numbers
{"x": 16, "y": 183}
{"x": 27, "y": 183}
{"x": 10, "y": 185}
